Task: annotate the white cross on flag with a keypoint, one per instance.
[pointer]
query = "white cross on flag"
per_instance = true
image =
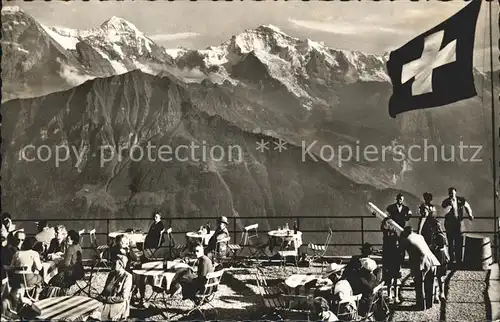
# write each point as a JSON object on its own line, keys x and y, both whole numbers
{"x": 435, "y": 68}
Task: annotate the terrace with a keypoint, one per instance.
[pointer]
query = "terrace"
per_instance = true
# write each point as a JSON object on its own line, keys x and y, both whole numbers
{"x": 472, "y": 295}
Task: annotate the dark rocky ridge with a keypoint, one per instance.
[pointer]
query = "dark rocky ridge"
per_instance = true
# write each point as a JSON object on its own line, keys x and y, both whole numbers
{"x": 141, "y": 107}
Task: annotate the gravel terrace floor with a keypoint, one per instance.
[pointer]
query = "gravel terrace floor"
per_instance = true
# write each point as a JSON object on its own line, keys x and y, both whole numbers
{"x": 238, "y": 298}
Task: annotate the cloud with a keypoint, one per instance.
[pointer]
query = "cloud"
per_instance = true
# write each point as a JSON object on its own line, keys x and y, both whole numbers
{"x": 343, "y": 28}
{"x": 176, "y": 36}
{"x": 72, "y": 75}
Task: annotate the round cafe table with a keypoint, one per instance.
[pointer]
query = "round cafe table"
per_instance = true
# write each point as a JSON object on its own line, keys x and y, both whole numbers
{"x": 196, "y": 237}
{"x": 281, "y": 238}
{"x": 158, "y": 272}
{"x": 134, "y": 237}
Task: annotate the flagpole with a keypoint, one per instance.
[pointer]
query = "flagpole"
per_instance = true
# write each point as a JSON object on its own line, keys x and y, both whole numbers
{"x": 493, "y": 133}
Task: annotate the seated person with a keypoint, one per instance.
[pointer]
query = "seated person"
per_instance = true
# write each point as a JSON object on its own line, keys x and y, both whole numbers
{"x": 58, "y": 245}
{"x": 27, "y": 257}
{"x": 7, "y": 222}
{"x": 190, "y": 282}
{"x": 116, "y": 293}
{"x": 15, "y": 306}
{"x": 370, "y": 276}
{"x": 45, "y": 234}
{"x": 71, "y": 267}
{"x": 15, "y": 241}
{"x": 215, "y": 246}
{"x": 321, "y": 311}
{"x": 351, "y": 272}
{"x": 122, "y": 247}
{"x": 6, "y": 255}
{"x": 340, "y": 291}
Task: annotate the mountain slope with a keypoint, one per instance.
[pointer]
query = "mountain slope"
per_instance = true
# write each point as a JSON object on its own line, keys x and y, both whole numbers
{"x": 263, "y": 82}
{"x": 135, "y": 107}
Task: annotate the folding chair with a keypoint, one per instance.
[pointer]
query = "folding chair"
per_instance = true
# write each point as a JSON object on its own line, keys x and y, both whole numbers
{"x": 5, "y": 287}
{"x": 271, "y": 296}
{"x": 378, "y": 302}
{"x": 343, "y": 313}
{"x": 319, "y": 251}
{"x": 249, "y": 240}
{"x": 176, "y": 250}
{"x": 208, "y": 293}
{"x": 85, "y": 284}
{"x": 149, "y": 254}
{"x": 220, "y": 252}
{"x": 21, "y": 272}
{"x": 99, "y": 250}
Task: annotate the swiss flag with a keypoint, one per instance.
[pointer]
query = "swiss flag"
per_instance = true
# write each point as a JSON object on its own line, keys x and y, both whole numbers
{"x": 435, "y": 68}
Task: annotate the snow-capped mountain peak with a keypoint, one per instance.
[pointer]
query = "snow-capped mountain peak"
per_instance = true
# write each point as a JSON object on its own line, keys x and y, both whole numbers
{"x": 11, "y": 10}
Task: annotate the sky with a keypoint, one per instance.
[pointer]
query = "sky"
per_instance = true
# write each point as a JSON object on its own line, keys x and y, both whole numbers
{"x": 367, "y": 26}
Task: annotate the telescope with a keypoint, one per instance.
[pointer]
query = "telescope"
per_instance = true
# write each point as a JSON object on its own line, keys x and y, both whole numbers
{"x": 415, "y": 239}
{"x": 382, "y": 215}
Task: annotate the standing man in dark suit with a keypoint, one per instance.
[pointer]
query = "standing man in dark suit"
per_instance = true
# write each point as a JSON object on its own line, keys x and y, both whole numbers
{"x": 453, "y": 222}
{"x": 423, "y": 265}
{"x": 399, "y": 212}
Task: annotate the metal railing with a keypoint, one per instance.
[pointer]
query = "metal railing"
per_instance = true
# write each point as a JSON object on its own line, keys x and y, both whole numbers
{"x": 353, "y": 231}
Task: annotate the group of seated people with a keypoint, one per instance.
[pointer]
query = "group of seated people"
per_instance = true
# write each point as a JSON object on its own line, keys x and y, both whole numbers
{"x": 63, "y": 246}
{"x": 22, "y": 252}
{"x": 360, "y": 276}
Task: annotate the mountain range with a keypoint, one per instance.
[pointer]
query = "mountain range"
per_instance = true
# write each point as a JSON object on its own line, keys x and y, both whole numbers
{"x": 112, "y": 85}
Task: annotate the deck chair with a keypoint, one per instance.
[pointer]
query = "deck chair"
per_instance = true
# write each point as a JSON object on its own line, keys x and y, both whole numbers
{"x": 271, "y": 296}
{"x": 208, "y": 294}
{"x": 175, "y": 249}
{"x": 150, "y": 254}
{"x": 343, "y": 312}
{"x": 319, "y": 251}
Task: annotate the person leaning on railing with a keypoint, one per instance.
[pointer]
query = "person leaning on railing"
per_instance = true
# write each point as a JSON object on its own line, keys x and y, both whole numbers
{"x": 453, "y": 222}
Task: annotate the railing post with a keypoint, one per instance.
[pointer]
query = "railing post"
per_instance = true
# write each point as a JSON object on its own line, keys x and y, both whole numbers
{"x": 234, "y": 229}
{"x": 170, "y": 238}
{"x": 107, "y": 231}
{"x": 362, "y": 231}
{"x": 298, "y": 228}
